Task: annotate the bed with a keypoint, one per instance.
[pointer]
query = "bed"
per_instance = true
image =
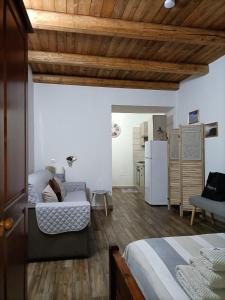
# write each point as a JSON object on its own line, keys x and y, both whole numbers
{"x": 147, "y": 268}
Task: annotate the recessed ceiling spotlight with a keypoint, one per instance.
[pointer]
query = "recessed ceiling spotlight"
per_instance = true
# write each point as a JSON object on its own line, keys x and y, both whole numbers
{"x": 169, "y": 3}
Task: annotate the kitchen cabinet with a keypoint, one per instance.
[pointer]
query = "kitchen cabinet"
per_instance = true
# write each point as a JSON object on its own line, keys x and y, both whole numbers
{"x": 138, "y": 150}
{"x": 140, "y": 175}
{"x": 144, "y": 129}
{"x": 157, "y": 128}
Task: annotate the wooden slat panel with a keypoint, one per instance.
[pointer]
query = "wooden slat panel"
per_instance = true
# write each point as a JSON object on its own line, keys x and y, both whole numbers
{"x": 107, "y": 8}
{"x": 146, "y": 14}
{"x": 206, "y": 14}
{"x": 96, "y": 7}
{"x": 60, "y": 6}
{"x": 130, "y": 9}
{"x": 174, "y": 183}
{"x": 130, "y": 48}
{"x": 72, "y": 6}
{"x": 180, "y": 12}
{"x": 174, "y": 167}
{"x": 206, "y": 11}
{"x": 176, "y": 16}
{"x": 198, "y": 13}
{"x": 49, "y": 5}
{"x": 119, "y": 7}
{"x": 192, "y": 171}
{"x": 206, "y": 54}
{"x": 37, "y": 4}
{"x": 84, "y": 7}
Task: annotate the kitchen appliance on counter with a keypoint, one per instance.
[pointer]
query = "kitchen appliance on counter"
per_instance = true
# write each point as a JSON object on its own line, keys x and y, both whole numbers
{"x": 156, "y": 173}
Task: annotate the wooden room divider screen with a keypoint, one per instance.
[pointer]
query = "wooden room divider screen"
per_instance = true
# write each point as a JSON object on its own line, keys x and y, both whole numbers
{"x": 186, "y": 165}
{"x": 192, "y": 164}
{"x": 174, "y": 168}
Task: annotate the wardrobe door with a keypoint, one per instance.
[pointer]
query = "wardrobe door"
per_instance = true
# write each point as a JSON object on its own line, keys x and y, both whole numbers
{"x": 174, "y": 167}
{"x": 192, "y": 164}
{"x": 2, "y": 296}
{"x": 13, "y": 150}
{"x": 15, "y": 200}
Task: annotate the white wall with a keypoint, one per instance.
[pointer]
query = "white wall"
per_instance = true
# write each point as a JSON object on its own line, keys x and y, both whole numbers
{"x": 207, "y": 94}
{"x": 74, "y": 120}
{"x": 30, "y": 104}
{"x": 122, "y": 147}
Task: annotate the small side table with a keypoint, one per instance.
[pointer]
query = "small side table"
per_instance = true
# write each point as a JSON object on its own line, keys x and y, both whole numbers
{"x": 105, "y": 195}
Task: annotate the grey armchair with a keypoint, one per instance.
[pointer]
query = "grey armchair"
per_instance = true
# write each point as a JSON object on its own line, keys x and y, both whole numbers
{"x": 42, "y": 246}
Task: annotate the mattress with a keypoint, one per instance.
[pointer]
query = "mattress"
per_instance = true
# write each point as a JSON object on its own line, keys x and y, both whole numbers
{"x": 152, "y": 262}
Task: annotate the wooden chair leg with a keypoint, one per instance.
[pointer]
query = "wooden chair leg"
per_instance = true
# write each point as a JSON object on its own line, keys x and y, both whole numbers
{"x": 92, "y": 197}
{"x": 181, "y": 211}
{"x": 212, "y": 218}
{"x": 193, "y": 215}
{"x": 91, "y": 200}
{"x": 106, "y": 205}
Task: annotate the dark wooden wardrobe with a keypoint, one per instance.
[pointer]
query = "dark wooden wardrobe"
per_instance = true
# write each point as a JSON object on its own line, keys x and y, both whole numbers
{"x": 14, "y": 26}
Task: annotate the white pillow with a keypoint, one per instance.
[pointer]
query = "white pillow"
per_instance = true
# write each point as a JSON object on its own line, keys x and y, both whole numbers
{"x": 61, "y": 186}
{"x": 49, "y": 195}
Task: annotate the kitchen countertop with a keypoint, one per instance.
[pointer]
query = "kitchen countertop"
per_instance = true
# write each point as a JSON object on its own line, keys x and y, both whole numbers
{"x": 140, "y": 163}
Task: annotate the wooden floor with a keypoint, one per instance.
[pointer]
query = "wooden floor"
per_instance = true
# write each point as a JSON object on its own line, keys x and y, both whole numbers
{"x": 130, "y": 220}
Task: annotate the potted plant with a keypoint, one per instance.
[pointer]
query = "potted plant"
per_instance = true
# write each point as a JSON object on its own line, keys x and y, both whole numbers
{"x": 70, "y": 160}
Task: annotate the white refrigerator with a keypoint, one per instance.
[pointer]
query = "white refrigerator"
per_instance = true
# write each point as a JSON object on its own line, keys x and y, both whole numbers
{"x": 156, "y": 173}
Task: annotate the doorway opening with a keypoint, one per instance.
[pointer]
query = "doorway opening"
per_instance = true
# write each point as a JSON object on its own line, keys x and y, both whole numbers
{"x": 132, "y": 127}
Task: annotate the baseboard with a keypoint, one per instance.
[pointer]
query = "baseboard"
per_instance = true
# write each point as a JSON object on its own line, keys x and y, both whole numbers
{"x": 124, "y": 187}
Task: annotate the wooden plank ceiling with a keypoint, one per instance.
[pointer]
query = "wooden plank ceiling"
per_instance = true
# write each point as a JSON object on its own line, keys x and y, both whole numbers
{"x": 124, "y": 43}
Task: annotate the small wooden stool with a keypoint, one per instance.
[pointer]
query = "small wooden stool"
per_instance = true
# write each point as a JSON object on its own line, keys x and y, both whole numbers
{"x": 105, "y": 195}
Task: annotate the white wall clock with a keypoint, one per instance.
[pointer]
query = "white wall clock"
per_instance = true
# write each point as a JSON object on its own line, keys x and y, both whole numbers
{"x": 116, "y": 130}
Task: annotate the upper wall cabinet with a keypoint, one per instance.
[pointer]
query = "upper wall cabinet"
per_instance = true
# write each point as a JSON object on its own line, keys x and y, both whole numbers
{"x": 157, "y": 128}
{"x": 144, "y": 129}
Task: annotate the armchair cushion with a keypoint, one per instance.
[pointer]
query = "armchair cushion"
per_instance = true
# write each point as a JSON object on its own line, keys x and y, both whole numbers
{"x": 56, "y": 188}
{"x": 37, "y": 183}
{"x": 217, "y": 208}
{"x": 61, "y": 186}
{"x": 49, "y": 195}
{"x": 74, "y": 186}
{"x": 75, "y": 196}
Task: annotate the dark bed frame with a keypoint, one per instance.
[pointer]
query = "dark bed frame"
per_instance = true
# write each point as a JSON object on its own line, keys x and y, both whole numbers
{"x": 122, "y": 285}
